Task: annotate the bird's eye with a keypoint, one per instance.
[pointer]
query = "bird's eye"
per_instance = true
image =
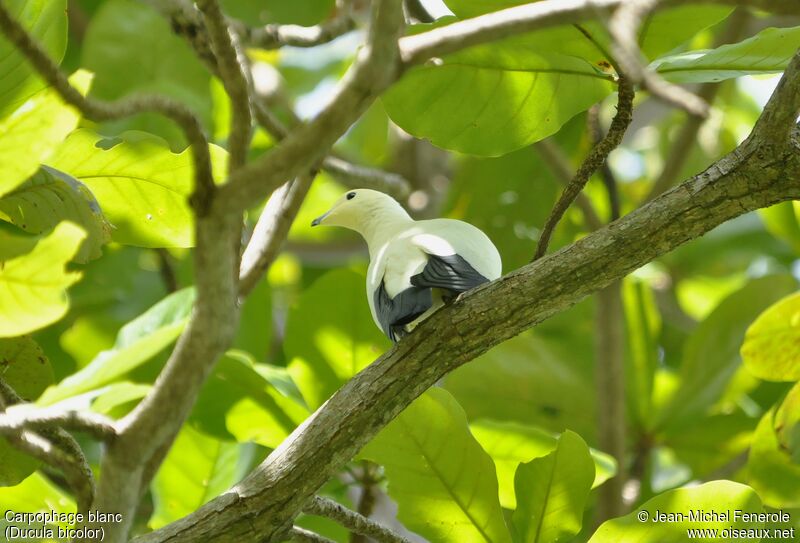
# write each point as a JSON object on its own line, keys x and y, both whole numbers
{"x": 351, "y": 195}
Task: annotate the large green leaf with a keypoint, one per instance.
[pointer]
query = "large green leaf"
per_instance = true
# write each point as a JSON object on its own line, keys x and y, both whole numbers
{"x": 137, "y": 342}
{"x": 767, "y": 52}
{"x": 248, "y": 402}
{"x": 143, "y": 187}
{"x": 131, "y": 49}
{"x": 51, "y": 196}
{"x": 510, "y": 444}
{"x": 490, "y": 100}
{"x": 642, "y": 323}
{"x": 442, "y": 480}
{"x": 771, "y": 348}
{"x": 33, "y": 286}
{"x": 330, "y": 335}
{"x": 716, "y": 503}
{"x": 529, "y": 380}
{"x": 711, "y": 355}
{"x": 773, "y": 467}
{"x": 31, "y": 134}
{"x": 24, "y": 367}
{"x": 197, "y": 469}
{"x": 552, "y": 491}
{"x": 46, "y": 20}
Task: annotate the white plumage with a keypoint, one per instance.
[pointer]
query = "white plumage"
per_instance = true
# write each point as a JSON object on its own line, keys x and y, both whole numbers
{"x": 414, "y": 265}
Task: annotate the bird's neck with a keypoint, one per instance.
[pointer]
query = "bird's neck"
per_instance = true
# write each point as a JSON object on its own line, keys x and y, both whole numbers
{"x": 378, "y": 228}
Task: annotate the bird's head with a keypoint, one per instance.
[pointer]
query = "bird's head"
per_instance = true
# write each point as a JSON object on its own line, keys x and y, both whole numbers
{"x": 357, "y": 208}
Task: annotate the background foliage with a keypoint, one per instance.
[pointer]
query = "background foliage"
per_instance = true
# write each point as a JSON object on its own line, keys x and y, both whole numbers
{"x": 96, "y": 275}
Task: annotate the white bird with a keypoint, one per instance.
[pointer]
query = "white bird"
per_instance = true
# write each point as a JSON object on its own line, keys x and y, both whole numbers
{"x": 415, "y": 266}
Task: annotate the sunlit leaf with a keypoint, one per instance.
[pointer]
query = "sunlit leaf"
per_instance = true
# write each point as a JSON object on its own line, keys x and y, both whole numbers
{"x": 142, "y": 187}
{"x": 36, "y": 494}
{"x": 197, "y": 469}
{"x": 33, "y": 286}
{"x": 720, "y": 497}
{"x": 771, "y": 468}
{"x": 29, "y": 135}
{"x": 442, "y": 480}
{"x": 46, "y": 20}
{"x": 767, "y": 52}
{"x": 771, "y": 348}
{"x": 330, "y": 335}
{"x": 248, "y": 402}
{"x": 51, "y": 196}
{"x": 137, "y": 342}
{"x": 552, "y": 491}
{"x": 25, "y": 368}
{"x": 510, "y": 444}
{"x": 711, "y": 355}
{"x": 132, "y": 49}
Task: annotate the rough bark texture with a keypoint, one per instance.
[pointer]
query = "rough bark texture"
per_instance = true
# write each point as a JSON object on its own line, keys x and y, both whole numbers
{"x": 261, "y": 508}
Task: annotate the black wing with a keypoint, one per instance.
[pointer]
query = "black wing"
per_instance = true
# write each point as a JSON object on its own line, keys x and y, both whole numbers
{"x": 395, "y": 313}
{"x": 451, "y": 273}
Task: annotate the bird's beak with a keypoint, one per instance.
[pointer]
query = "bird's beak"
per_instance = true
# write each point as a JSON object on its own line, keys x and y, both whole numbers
{"x": 318, "y": 220}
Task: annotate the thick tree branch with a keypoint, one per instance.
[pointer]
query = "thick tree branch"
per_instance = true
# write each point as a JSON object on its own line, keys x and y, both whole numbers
{"x": 99, "y": 110}
{"x": 595, "y": 160}
{"x": 761, "y": 172}
{"x": 351, "y": 520}
{"x": 232, "y": 72}
{"x": 271, "y": 230}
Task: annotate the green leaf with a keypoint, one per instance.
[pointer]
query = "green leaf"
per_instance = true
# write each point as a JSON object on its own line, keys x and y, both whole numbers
{"x": 771, "y": 468}
{"x": 331, "y": 335}
{"x": 46, "y": 20}
{"x": 510, "y": 444}
{"x": 490, "y": 100}
{"x": 783, "y": 222}
{"x": 137, "y": 342}
{"x": 131, "y": 49}
{"x": 197, "y": 469}
{"x": 767, "y": 52}
{"x": 25, "y": 368}
{"x": 142, "y": 187}
{"x": 14, "y": 242}
{"x": 642, "y": 322}
{"x": 527, "y": 379}
{"x": 441, "y": 479}
{"x": 551, "y": 492}
{"x": 771, "y": 348}
{"x": 712, "y": 499}
{"x": 711, "y": 355}
{"x": 33, "y": 286}
{"x": 248, "y": 402}
{"x": 36, "y": 494}
{"x": 51, "y": 196}
{"x": 38, "y": 126}
{"x": 117, "y": 399}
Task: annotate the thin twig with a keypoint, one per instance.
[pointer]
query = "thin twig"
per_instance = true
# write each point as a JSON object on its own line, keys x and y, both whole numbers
{"x": 607, "y": 176}
{"x": 357, "y": 176}
{"x": 351, "y": 520}
{"x": 624, "y": 29}
{"x": 559, "y": 165}
{"x": 231, "y": 65}
{"x": 301, "y": 535}
{"x": 273, "y": 36}
{"x": 271, "y": 230}
{"x": 29, "y": 417}
{"x": 99, "y": 110}
{"x": 596, "y": 158}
